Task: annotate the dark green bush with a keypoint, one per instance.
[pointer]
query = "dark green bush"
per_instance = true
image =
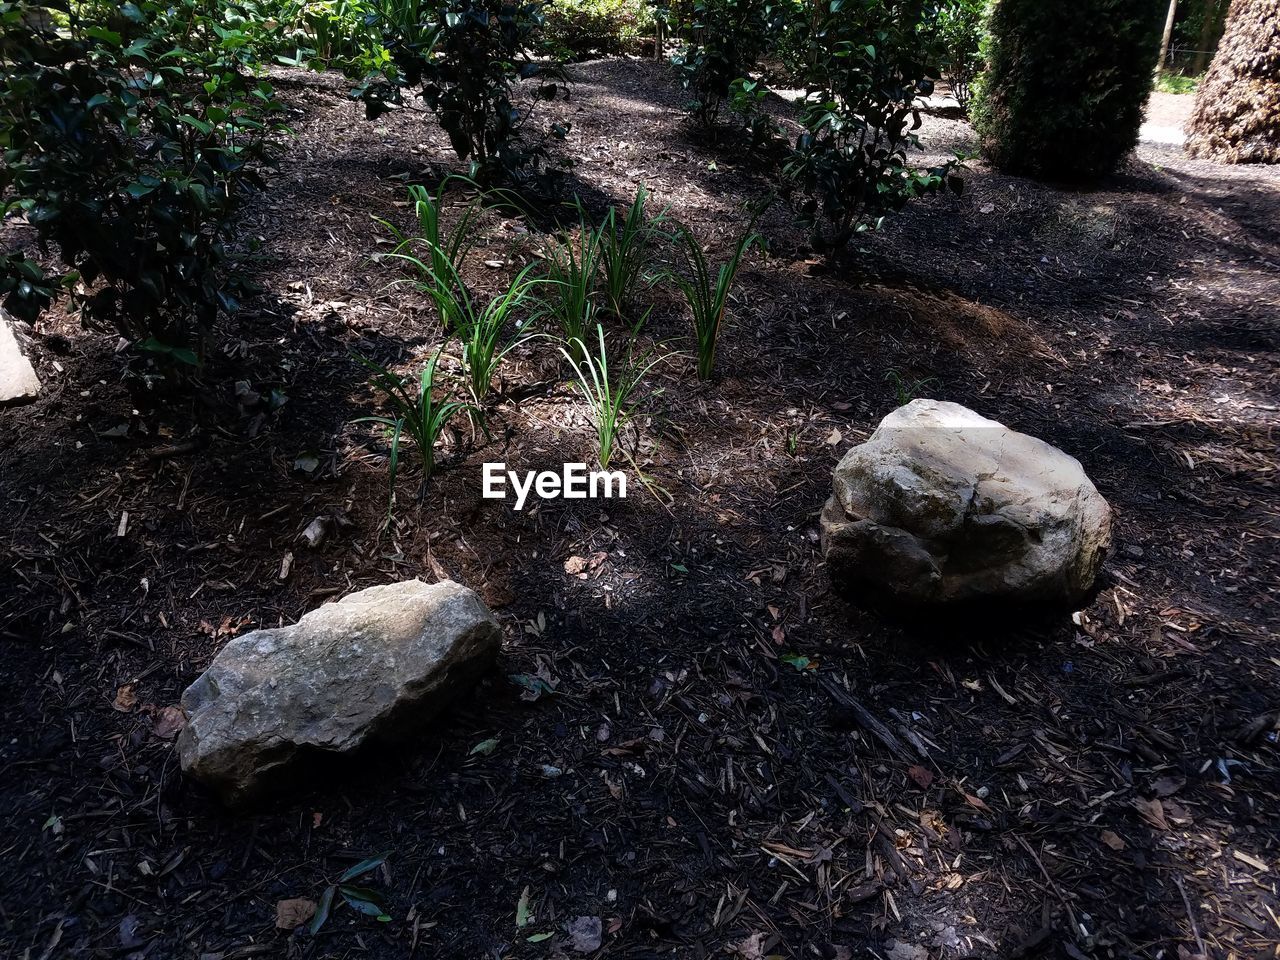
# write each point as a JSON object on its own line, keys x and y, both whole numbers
{"x": 465, "y": 58}
{"x": 1065, "y": 84}
{"x": 867, "y": 60}
{"x": 130, "y": 132}
{"x": 959, "y": 32}
{"x": 321, "y": 33}
{"x": 579, "y": 29}
{"x": 727, "y": 38}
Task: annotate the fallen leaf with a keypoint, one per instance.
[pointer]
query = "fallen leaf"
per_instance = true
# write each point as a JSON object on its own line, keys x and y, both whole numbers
{"x": 534, "y": 687}
{"x": 316, "y": 531}
{"x": 586, "y": 933}
{"x": 1153, "y": 812}
{"x": 799, "y": 661}
{"x": 306, "y": 463}
{"x": 921, "y": 775}
{"x": 835, "y": 437}
{"x": 1113, "y": 840}
{"x": 523, "y": 916}
{"x": 294, "y": 913}
{"x": 1168, "y": 786}
{"x": 484, "y": 747}
{"x": 1177, "y": 814}
{"x": 126, "y": 698}
{"x": 576, "y": 566}
{"x": 168, "y": 722}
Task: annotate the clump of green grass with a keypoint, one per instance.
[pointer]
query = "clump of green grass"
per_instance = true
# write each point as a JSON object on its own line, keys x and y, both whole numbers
{"x": 626, "y": 249}
{"x": 1177, "y": 83}
{"x": 708, "y": 294}
{"x": 904, "y": 391}
{"x": 607, "y": 390}
{"x": 416, "y": 413}
{"x": 572, "y": 267}
{"x": 436, "y": 252}
{"x": 482, "y": 330}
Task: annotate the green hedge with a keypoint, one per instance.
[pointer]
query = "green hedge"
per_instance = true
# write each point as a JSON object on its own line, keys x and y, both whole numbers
{"x": 1065, "y": 85}
{"x": 579, "y": 29}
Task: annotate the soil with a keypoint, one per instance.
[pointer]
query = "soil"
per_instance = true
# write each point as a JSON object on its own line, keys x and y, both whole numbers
{"x": 731, "y": 760}
{"x": 1171, "y": 110}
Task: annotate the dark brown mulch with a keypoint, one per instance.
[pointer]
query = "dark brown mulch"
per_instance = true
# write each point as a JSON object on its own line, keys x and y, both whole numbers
{"x": 1099, "y": 787}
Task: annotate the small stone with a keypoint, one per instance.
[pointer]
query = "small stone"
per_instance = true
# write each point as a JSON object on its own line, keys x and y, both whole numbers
{"x": 942, "y": 505}
{"x": 316, "y": 531}
{"x": 586, "y": 933}
{"x": 18, "y": 381}
{"x": 377, "y": 666}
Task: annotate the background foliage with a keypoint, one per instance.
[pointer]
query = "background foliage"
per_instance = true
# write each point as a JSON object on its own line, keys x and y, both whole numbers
{"x": 579, "y": 29}
{"x": 867, "y": 62}
{"x": 464, "y": 58}
{"x": 131, "y": 132}
{"x": 1066, "y": 84}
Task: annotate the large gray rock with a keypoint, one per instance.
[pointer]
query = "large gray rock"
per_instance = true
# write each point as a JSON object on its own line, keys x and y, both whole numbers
{"x": 375, "y": 666}
{"x": 943, "y": 505}
{"x": 18, "y": 381}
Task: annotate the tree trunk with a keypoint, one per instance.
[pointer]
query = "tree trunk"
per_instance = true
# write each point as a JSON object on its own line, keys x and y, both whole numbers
{"x": 1211, "y": 14}
{"x": 1168, "y": 35}
{"x": 1237, "y": 113}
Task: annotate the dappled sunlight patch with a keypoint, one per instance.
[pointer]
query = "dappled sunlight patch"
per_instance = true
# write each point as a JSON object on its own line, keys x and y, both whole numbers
{"x": 963, "y": 324}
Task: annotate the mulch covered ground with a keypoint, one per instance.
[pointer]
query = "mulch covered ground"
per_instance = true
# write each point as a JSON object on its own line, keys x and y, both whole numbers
{"x": 723, "y": 758}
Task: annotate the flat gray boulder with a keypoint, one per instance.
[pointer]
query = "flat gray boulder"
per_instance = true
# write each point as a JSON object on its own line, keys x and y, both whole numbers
{"x": 376, "y": 666}
{"x": 942, "y": 505}
{"x": 18, "y": 381}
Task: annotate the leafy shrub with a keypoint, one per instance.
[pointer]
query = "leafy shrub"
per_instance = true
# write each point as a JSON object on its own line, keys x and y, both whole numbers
{"x": 465, "y": 57}
{"x": 959, "y": 33}
{"x": 131, "y": 133}
{"x": 747, "y": 103}
{"x": 868, "y": 61}
{"x": 321, "y": 33}
{"x": 708, "y": 298}
{"x": 728, "y": 38}
{"x": 578, "y": 29}
{"x": 1065, "y": 84}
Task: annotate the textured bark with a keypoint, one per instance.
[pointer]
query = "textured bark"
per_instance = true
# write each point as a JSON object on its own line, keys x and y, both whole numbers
{"x": 1237, "y": 113}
